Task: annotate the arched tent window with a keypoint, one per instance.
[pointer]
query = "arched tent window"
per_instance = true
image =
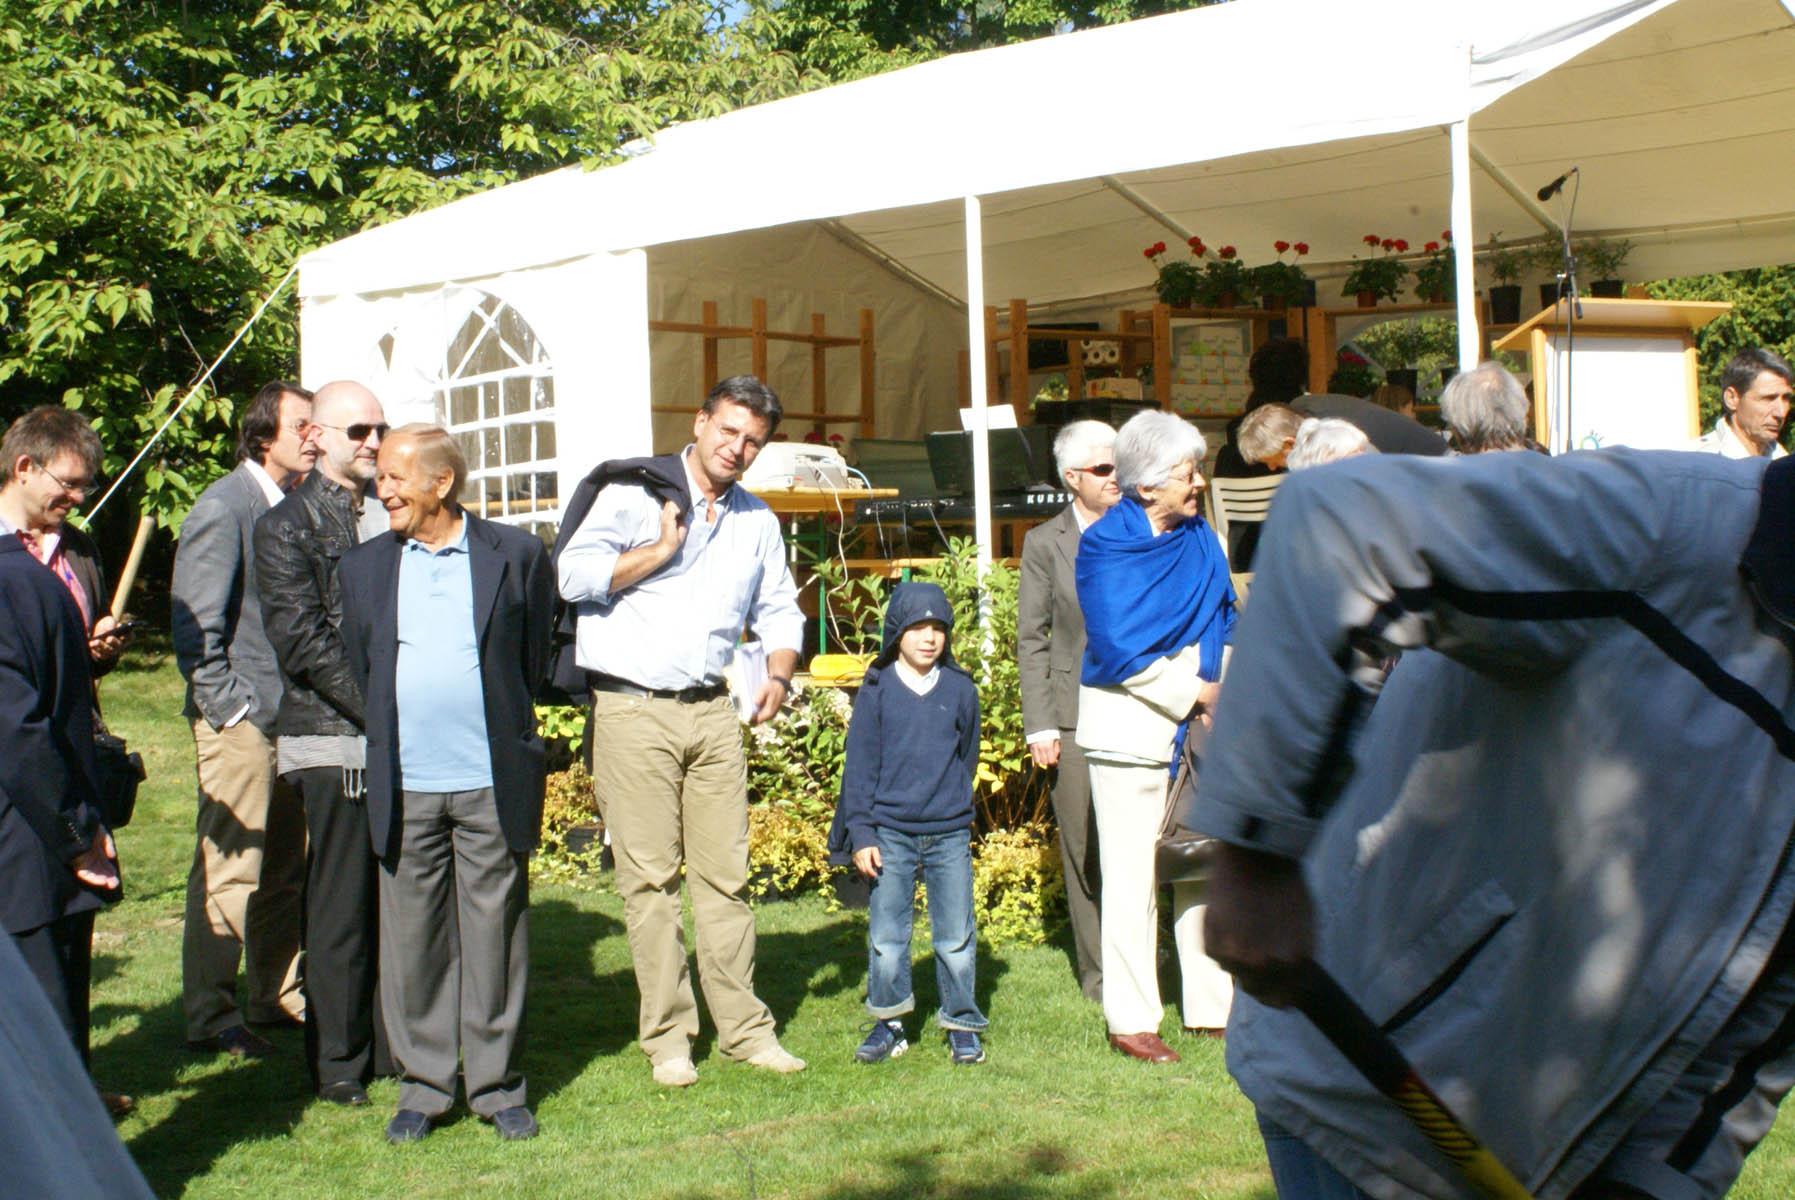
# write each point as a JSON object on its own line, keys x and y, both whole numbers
{"x": 497, "y": 396}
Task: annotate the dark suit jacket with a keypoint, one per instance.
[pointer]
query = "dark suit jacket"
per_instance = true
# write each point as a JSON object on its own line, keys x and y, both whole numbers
{"x": 514, "y": 596}
{"x": 1050, "y": 625}
{"x": 49, "y": 803}
{"x": 1390, "y": 432}
{"x": 219, "y": 641}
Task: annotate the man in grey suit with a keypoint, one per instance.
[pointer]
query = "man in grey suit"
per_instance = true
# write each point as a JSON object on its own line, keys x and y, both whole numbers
{"x": 243, "y": 889}
{"x": 1049, "y": 649}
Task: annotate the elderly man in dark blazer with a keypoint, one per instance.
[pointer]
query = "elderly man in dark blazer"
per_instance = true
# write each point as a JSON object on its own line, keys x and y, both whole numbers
{"x": 1049, "y": 649}
{"x": 447, "y": 622}
{"x": 244, "y": 884}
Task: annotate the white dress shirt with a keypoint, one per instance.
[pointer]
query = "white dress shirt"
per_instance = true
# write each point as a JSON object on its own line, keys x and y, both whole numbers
{"x": 678, "y": 627}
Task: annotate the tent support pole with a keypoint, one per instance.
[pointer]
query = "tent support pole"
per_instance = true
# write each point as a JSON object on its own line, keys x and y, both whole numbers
{"x": 860, "y": 245}
{"x": 979, "y": 379}
{"x": 1515, "y": 191}
{"x": 1141, "y": 202}
{"x": 1464, "y": 244}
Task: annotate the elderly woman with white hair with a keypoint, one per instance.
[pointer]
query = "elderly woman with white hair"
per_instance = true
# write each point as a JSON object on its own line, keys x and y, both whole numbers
{"x": 1324, "y": 440}
{"x": 1159, "y": 611}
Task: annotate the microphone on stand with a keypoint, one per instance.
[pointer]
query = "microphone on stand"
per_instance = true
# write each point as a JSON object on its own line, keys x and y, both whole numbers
{"x": 1556, "y": 186}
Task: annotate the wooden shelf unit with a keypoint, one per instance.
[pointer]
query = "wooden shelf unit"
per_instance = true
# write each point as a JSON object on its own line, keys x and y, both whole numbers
{"x": 713, "y": 333}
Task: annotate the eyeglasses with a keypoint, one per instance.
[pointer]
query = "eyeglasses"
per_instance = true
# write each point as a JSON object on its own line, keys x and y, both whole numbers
{"x": 1101, "y": 470}
{"x": 358, "y": 432}
{"x": 80, "y": 489}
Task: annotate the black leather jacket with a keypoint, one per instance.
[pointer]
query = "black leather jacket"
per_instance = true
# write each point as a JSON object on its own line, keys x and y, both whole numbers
{"x": 298, "y": 543}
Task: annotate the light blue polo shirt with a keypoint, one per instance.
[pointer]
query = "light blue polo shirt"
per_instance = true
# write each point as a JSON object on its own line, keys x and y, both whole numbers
{"x": 442, "y": 713}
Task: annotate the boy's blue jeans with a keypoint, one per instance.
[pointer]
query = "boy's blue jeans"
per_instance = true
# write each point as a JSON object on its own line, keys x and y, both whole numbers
{"x": 945, "y": 863}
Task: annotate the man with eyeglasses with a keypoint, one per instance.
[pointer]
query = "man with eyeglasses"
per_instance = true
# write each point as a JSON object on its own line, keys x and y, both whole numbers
{"x": 243, "y": 889}
{"x": 1049, "y": 649}
{"x": 319, "y": 749}
{"x": 57, "y": 861}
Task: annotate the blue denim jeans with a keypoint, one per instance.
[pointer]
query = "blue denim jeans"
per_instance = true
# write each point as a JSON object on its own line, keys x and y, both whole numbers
{"x": 944, "y": 861}
{"x": 1298, "y": 1172}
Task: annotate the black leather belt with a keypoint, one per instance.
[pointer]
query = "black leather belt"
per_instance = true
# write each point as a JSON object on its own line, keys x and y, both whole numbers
{"x": 623, "y": 687}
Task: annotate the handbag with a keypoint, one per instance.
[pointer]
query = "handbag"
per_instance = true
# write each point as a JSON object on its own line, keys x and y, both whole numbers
{"x": 1182, "y": 855}
{"x": 119, "y": 771}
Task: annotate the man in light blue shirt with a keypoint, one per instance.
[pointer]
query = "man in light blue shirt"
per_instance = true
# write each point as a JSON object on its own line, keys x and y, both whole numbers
{"x": 663, "y": 581}
{"x": 446, "y": 619}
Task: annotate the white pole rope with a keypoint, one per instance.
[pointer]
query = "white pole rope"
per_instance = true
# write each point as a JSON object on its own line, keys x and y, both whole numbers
{"x": 191, "y": 393}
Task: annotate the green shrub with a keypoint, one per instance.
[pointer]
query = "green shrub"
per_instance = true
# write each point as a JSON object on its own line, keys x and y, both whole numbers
{"x": 1018, "y": 892}
{"x": 567, "y": 802}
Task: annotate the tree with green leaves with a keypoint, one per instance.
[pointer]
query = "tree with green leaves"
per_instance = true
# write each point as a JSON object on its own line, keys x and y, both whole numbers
{"x": 1763, "y": 314}
{"x": 163, "y": 163}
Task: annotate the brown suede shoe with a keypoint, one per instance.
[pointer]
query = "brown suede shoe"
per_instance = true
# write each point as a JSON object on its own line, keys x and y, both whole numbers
{"x": 118, "y": 1105}
{"x": 1145, "y": 1046}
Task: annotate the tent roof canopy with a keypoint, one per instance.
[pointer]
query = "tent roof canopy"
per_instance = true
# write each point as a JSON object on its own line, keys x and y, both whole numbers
{"x": 1678, "y": 112}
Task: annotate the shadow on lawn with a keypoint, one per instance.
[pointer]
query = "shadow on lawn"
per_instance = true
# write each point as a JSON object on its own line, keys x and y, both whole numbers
{"x": 1034, "y": 1172}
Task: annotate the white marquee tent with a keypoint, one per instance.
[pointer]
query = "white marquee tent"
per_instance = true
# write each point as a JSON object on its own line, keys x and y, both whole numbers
{"x": 1048, "y": 165}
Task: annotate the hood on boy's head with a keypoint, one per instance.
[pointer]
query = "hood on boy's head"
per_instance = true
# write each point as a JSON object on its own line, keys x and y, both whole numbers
{"x": 910, "y": 603}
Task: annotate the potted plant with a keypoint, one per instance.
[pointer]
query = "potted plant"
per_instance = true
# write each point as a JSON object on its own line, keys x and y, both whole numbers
{"x": 1548, "y": 258}
{"x": 1601, "y": 260}
{"x": 1225, "y": 280}
{"x": 1505, "y": 264}
{"x": 1374, "y": 279}
{"x": 1176, "y": 284}
{"x": 1281, "y": 284}
{"x": 1435, "y": 281}
{"x": 1353, "y": 375}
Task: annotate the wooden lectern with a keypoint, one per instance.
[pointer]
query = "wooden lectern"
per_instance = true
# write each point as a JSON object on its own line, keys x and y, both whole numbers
{"x": 1624, "y": 375}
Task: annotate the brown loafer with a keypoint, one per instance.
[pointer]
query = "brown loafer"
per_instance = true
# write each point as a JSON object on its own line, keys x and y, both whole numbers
{"x": 1145, "y": 1046}
{"x": 118, "y": 1105}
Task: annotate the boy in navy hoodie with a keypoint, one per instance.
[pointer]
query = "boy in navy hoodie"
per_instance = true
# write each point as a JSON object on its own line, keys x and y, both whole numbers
{"x": 906, "y": 806}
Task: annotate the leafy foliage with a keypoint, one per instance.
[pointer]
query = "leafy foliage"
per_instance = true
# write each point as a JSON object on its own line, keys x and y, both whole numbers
{"x": 1763, "y": 314}
{"x": 1018, "y": 892}
{"x": 162, "y": 166}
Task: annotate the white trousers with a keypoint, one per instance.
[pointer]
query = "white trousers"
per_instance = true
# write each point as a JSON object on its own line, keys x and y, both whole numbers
{"x": 1129, "y": 802}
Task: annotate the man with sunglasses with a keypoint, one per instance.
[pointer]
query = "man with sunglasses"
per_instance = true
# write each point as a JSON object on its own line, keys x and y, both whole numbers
{"x": 319, "y": 750}
{"x": 1049, "y": 649}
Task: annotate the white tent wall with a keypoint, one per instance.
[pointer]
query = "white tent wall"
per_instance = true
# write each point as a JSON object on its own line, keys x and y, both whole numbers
{"x": 799, "y": 270}
{"x": 1679, "y": 113}
{"x": 565, "y": 343}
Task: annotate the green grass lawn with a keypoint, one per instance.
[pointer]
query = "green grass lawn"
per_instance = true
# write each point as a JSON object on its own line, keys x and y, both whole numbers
{"x": 1053, "y": 1113}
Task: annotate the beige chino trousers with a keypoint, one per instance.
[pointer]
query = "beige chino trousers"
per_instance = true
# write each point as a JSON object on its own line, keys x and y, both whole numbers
{"x": 673, "y": 788}
{"x": 243, "y": 889}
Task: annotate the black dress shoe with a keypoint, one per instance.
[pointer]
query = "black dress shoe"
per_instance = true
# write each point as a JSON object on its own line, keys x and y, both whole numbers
{"x": 407, "y": 1125}
{"x": 514, "y": 1124}
{"x": 345, "y": 1092}
{"x": 236, "y": 1041}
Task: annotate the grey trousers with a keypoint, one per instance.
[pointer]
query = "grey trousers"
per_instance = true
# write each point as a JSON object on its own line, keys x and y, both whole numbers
{"x": 454, "y": 953}
{"x": 1078, "y": 862}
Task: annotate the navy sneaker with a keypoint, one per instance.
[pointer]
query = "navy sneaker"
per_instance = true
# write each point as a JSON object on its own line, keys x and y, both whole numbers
{"x": 964, "y": 1045}
{"x": 884, "y": 1040}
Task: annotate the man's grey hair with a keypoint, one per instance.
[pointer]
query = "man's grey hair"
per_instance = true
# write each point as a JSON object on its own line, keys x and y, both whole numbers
{"x": 1262, "y": 431}
{"x": 1076, "y": 444}
{"x": 1326, "y": 439}
{"x": 1151, "y": 446}
{"x": 437, "y": 453}
{"x": 1486, "y": 409}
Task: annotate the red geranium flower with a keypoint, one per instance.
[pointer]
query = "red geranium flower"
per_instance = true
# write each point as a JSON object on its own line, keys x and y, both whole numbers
{"x": 1280, "y": 247}
{"x": 1198, "y": 248}
{"x": 1193, "y": 241}
{"x": 1389, "y": 243}
{"x": 1371, "y": 239}
{"x": 1446, "y": 235}
{"x": 1227, "y": 252}
{"x": 1431, "y": 247}
{"x": 1401, "y": 245}
{"x": 1159, "y": 247}
{"x": 1147, "y": 253}
{"x": 1302, "y": 247}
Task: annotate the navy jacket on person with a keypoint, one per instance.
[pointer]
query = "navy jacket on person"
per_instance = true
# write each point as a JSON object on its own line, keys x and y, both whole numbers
{"x": 513, "y": 597}
{"x": 910, "y": 757}
{"x": 49, "y": 799}
{"x": 663, "y": 477}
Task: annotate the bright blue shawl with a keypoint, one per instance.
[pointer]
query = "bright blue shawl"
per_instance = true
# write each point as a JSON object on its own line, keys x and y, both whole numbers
{"x": 1147, "y": 597}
